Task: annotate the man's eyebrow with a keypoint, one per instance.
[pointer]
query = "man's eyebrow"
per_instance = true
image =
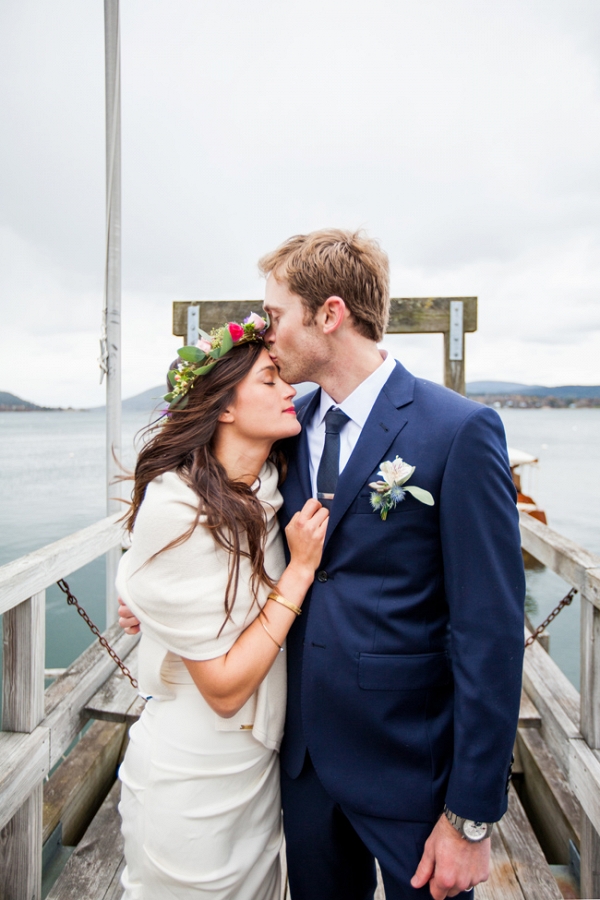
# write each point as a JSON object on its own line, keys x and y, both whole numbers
{"x": 271, "y": 306}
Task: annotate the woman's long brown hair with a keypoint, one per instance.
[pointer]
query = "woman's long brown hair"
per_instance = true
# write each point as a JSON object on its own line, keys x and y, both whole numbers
{"x": 184, "y": 444}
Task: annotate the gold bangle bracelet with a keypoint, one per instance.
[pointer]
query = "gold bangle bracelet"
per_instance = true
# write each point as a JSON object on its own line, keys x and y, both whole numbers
{"x": 279, "y": 599}
{"x": 269, "y": 633}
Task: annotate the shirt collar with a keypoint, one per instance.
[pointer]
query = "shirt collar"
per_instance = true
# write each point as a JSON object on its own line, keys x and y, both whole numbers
{"x": 360, "y": 402}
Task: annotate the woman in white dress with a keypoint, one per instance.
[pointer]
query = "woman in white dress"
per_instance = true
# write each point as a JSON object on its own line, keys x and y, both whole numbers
{"x": 206, "y": 577}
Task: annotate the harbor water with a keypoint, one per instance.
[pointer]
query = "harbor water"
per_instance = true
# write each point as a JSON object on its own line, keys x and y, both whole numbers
{"x": 52, "y": 483}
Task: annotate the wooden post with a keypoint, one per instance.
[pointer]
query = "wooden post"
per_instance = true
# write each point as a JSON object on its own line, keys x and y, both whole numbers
{"x": 408, "y": 315}
{"x": 22, "y": 710}
{"x": 590, "y": 729}
{"x": 112, "y": 306}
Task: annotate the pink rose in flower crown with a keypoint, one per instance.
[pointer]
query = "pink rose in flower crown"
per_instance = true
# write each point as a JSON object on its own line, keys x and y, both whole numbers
{"x": 236, "y": 331}
{"x": 256, "y": 320}
{"x": 206, "y": 346}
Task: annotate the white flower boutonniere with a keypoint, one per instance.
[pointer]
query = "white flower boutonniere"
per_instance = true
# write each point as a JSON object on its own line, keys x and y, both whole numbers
{"x": 392, "y": 490}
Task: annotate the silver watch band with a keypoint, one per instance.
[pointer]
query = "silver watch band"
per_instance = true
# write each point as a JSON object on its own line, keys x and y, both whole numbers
{"x": 469, "y": 829}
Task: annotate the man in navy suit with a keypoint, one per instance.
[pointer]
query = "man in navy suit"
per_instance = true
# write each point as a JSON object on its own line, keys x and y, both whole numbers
{"x": 405, "y": 667}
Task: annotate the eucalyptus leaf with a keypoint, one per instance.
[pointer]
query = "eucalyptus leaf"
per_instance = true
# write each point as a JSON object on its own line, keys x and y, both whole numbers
{"x": 204, "y": 369}
{"x": 204, "y": 335}
{"x": 169, "y": 397}
{"x": 227, "y": 342}
{"x": 180, "y": 402}
{"x": 419, "y": 494}
{"x": 191, "y": 354}
{"x": 171, "y": 376}
{"x": 215, "y": 353}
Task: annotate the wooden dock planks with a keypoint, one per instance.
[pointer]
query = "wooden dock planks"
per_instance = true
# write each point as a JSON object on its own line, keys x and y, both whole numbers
{"x": 91, "y": 871}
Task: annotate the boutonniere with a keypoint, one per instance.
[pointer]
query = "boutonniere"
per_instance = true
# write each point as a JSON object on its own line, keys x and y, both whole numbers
{"x": 392, "y": 490}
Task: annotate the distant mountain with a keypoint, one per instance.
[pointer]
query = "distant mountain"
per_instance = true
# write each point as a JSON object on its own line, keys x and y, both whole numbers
{"x": 567, "y": 392}
{"x": 12, "y": 403}
{"x": 147, "y": 400}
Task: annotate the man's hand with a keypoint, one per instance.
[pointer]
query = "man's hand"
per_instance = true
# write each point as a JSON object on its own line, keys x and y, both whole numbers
{"x": 127, "y": 620}
{"x": 450, "y": 863}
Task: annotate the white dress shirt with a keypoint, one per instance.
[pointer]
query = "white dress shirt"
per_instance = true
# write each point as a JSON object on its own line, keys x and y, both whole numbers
{"x": 357, "y": 407}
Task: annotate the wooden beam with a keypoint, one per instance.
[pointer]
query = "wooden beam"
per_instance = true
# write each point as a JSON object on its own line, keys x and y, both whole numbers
{"x": 21, "y": 851}
{"x": 97, "y": 859}
{"x": 556, "y": 700}
{"x": 551, "y": 805}
{"x": 23, "y": 664}
{"x": 526, "y": 856}
{"x": 502, "y": 883}
{"x": 22, "y": 710}
{"x": 408, "y": 315}
{"x": 67, "y": 697}
{"x": 34, "y": 572}
{"x": 117, "y": 700}
{"x": 590, "y": 860}
{"x": 24, "y": 761}
{"x": 529, "y": 717}
{"x": 77, "y": 788}
{"x": 573, "y": 563}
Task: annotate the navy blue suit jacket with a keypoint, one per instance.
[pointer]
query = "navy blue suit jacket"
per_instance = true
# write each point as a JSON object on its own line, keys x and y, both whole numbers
{"x": 405, "y": 667}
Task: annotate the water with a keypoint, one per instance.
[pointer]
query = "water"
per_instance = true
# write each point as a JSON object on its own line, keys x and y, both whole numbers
{"x": 52, "y": 475}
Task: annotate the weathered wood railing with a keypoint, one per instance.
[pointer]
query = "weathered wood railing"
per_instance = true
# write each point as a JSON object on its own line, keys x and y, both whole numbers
{"x": 571, "y": 722}
{"x": 38, "y": 726}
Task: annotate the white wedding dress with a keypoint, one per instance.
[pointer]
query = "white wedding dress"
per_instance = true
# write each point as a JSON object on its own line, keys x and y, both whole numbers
{"x": 200, "y": 797}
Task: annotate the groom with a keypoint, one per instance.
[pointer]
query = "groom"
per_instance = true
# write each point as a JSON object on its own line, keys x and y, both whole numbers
{"x": 404, "y": 670}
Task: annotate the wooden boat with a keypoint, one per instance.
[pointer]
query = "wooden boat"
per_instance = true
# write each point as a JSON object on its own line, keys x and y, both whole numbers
{"x": 517, "y": 460}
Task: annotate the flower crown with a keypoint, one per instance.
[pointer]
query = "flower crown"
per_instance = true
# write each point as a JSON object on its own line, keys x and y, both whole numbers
{"x": 195, "y": 361}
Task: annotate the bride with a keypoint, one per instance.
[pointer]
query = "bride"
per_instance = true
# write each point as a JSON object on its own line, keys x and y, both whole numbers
{"x": 207, "y": 579}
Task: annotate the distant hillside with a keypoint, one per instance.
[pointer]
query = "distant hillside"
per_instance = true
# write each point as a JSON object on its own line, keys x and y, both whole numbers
{"x": 147, "y": 400}
{"x": 12, "y": 403}
{"x": 566, "y": 392}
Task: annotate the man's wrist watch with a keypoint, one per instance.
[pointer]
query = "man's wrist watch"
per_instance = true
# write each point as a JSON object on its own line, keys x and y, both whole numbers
{"x": 469, "y": 829}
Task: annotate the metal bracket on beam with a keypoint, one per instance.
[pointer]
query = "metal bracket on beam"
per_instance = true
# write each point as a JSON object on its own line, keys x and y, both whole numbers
{"x": 456, "y": 329}
{"x": 193, "y": 324}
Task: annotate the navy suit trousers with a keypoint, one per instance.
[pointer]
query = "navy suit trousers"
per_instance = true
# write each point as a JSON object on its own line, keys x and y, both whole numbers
{"x": 331, "y": 851}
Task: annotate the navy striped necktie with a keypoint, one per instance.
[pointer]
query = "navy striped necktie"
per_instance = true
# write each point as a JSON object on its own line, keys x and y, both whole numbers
{"x": 329, "y": 467}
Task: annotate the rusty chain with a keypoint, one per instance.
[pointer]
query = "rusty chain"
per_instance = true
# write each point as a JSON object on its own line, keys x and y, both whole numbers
{"x": 566, "y": 601}
{"x": 72, "y": 601}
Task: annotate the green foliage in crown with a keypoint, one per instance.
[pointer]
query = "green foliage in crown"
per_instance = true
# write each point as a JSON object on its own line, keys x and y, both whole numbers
{"x": 196, "y": 361}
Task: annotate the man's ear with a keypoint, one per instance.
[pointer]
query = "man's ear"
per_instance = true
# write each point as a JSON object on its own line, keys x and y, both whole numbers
{"x": 333, "y": 313}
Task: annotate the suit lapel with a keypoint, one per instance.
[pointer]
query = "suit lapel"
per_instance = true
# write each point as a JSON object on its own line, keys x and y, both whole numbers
{"x": 301, "y": 457}
{"x": 386, "y": 421}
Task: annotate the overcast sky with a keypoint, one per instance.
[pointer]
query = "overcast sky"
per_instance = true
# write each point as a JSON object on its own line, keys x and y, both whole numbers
{"x": 463, "y": 135}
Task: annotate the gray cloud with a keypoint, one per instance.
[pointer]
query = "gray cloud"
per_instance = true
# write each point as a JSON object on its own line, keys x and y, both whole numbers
{"x": 464, "y": 136}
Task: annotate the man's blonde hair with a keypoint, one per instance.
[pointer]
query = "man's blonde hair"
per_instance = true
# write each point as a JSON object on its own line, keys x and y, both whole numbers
{"x": 332, "y": 262}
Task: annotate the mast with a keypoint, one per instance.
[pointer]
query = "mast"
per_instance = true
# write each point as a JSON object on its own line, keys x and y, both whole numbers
{"x": 111, "y": 333}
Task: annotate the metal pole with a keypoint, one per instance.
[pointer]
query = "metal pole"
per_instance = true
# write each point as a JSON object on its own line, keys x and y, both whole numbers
{"x": 112, "y": 283}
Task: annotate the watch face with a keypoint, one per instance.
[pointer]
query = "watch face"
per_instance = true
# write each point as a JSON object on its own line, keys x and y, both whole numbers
{"x": 475, "y": 831}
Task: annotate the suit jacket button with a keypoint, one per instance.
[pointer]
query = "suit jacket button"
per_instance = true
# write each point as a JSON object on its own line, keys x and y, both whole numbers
{"x": 322, "y": 575}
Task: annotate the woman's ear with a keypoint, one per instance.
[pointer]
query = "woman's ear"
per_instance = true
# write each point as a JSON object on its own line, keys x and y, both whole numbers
{"x": 226, "y": 417}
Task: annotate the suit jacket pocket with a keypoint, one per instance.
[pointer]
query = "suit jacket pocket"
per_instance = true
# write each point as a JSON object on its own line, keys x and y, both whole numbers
{"x": 403, "y": 672}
